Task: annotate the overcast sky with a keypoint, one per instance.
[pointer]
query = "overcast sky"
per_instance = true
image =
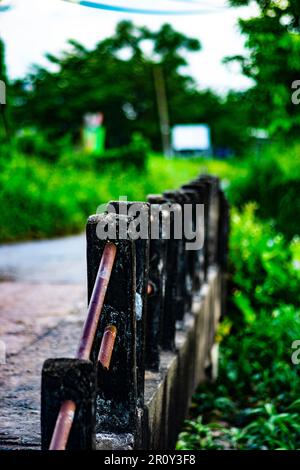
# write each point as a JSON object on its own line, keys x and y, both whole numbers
{"x": 33, "y": 27}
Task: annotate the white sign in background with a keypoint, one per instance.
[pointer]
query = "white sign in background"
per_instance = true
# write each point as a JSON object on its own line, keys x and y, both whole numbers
{"x": 191, "y": 137}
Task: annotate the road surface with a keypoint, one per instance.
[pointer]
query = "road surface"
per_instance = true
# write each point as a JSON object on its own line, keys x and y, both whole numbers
{"x": 42, "y": 306}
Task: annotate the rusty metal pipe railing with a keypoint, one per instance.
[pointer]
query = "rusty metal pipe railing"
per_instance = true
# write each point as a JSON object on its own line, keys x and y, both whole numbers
{"x": 97, "y": 300}
{"x": 107, "y": 346}
{"x": 150, "y": 288}
{"x": 67, "y": 410}
{"x": 63, "y": 425}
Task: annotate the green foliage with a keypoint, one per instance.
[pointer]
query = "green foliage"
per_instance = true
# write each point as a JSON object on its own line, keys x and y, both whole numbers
{"x": 117, "y": 78}
{"x": 254, "y": 404}
{"x": 3, "y": 75}
{"x": 263, "y": 264}
{"x": 133, "y": 154}
{"x": 273, "y": 181}
{"x": 270, "y": 430}
{"x": 199, "y": 436}
{"x": 102, "y": 80}
{"x": 113, "y": 160}
{"x": 37, "y": 202}
{"x": 31, "y": 142}
{"x": 42, "y": 199}
{"x": 4, "y": 109}
{"x": 272, "y": 61}
{"x": 39, "y": 199}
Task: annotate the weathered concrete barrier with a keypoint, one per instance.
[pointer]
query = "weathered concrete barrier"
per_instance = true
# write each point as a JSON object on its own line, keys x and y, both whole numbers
{"x": 168, "y": 391}
{"x": 154, "y": 341}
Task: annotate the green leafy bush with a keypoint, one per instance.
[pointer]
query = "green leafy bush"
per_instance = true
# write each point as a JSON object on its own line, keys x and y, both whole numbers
{"x": 255, "y": 402}
{"x": 265, "y": 267}
{"x": 134, "y": 154}
{"x": 32, "y": 142}
{"x": 39, "y": 199}
{"x": 273, "y": 181}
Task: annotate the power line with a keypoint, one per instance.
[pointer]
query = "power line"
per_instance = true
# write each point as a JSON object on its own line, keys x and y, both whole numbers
{"x": 142, "y": 11}
{"x": 4, "y": 5}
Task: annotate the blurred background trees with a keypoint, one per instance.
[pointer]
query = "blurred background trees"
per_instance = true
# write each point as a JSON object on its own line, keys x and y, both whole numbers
{"x": 116, "y": 78}
{"x": 273, "y": 42}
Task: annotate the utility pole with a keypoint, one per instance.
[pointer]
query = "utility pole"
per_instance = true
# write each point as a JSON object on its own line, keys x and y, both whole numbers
{"x": 2, "y": 109}
{"x": 162, "y": 105}
{"x": 5, "y": 123}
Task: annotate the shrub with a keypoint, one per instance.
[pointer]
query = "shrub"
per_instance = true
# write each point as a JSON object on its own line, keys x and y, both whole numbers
{"x": 254, "y": 403}
{"x": 39, "y": 199}
{"x": 115, "y": 160}
{"x": 273, "y": 181}
{"x": 134, "y": 154}
{"x": 32, "y": 142}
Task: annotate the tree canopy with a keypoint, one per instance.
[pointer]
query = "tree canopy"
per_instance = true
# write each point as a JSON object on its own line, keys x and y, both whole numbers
{"x": 116, "y": 78}
{"x": 273, "y": 42}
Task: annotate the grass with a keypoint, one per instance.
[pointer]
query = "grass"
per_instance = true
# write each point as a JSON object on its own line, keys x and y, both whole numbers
{"x": 40, "y": 199}
{"x": 183, "y": 169}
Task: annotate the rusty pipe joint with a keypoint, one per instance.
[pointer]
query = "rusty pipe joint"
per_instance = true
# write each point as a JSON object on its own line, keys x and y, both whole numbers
{"x": 107, "y": 346}
{"x": 151, "y": 289}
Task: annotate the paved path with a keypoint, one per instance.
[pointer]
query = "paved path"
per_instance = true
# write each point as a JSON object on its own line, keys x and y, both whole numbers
{"x": 61, "y": 260}
{"x": 42, "y": 305}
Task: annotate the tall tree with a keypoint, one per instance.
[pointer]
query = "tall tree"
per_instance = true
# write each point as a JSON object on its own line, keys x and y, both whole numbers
{"x": 273, "y": 42}
{"x": 4, "y": 126}
{"x": 115, "y": 78}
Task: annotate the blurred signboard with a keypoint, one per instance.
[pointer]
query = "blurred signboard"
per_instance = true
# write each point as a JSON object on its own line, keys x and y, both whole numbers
{"x": 93, "y": 133}
{"x": 191, "y": 139}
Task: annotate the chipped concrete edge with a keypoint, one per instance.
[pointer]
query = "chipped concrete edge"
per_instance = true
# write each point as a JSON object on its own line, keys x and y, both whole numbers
{"x": 163, "y": 389}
